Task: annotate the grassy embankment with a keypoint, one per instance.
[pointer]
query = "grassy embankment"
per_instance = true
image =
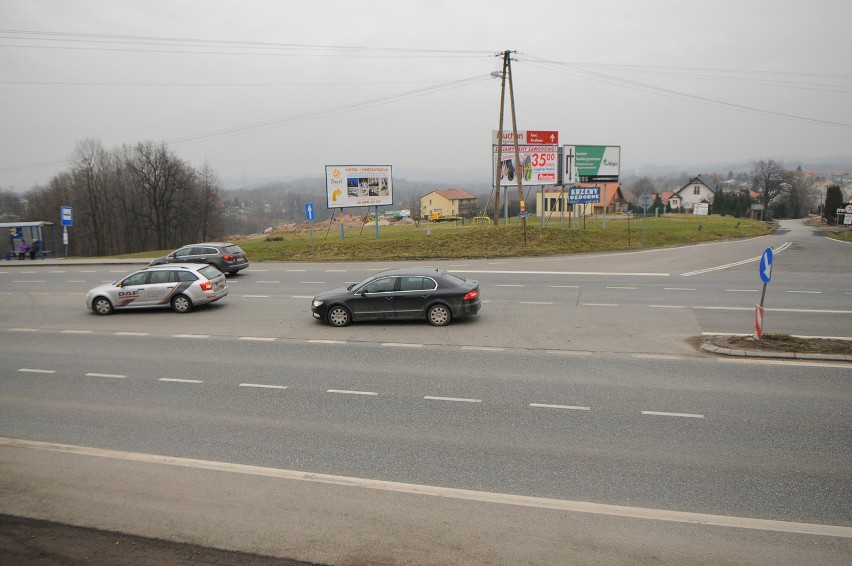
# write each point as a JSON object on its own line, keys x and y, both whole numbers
{"x": 451, "y": 241}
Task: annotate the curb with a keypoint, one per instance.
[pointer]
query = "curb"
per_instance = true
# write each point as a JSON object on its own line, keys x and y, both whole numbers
{"x": 775, "y": 355}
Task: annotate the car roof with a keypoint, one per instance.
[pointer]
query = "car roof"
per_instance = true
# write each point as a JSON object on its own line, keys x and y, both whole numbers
{"x": 185, "y": 266}
{"x": 426, "y": 271}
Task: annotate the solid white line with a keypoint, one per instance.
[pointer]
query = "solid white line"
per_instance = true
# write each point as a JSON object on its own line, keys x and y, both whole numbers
{"x": 563, "y": 505}
{"x": 569, "y": 352}
{"x": 115, "y": 375}
{"x": 191, "y": 335}
{"x": 262, "y": 386}
{"x": 401, "y": 345}
{"x": 779, "y": 249}
{"x": 569, "y": 407}
{"x": 317, "y": 341}
{"x": 176, "y": 380}
{"x": 31, "y": 370}
{"x": 131, "y": 333}
{"x": 663, "y": 414}
{"x": 572, "y": 273}
{"x": 348, "y": 392}
{"x": 484, "y": 348}
{"x": 75, "y": 331}
{"x": 257, "y": 338}
{"x": 454, "y": 399}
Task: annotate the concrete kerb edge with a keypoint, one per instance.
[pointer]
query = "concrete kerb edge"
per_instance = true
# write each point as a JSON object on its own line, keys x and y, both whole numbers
{"x": 775, "y": 355}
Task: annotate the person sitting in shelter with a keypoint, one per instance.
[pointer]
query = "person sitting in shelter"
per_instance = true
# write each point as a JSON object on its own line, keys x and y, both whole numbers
{"x": 34, "y": 249}
{"x": 22, "y": 249}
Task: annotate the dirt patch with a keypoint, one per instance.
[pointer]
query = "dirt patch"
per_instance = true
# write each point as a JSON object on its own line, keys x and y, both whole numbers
{"x": 779, "y": 343}
{"x": 29, "y": 541}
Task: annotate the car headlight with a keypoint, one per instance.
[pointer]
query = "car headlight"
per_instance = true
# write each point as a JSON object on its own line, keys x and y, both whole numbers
{"x": 316, "y": 303}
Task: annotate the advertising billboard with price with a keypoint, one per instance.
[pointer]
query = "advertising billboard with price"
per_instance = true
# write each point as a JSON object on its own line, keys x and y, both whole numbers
{"x": 537, "y": 150}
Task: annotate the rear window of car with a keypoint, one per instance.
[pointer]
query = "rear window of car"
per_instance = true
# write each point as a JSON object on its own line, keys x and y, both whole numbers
{"x": 234, "y": 249}
{"x": 455, "y": 278}
{"x": 184, "y": 276}
{"x": 210, "y": 272}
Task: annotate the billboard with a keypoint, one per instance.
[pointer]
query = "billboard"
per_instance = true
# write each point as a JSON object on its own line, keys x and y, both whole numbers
{"x": 358, "y": 185}
{"x": 582, "y": 195}
{"x": 538, "y": 165}
{"x": 591, "y": 163}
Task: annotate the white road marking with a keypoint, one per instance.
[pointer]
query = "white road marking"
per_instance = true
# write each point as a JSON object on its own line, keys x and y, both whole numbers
{"x": 667, "y": 306}
{"x": 131, "y": 333}
{"x": 656, "y": 356}
{"x": 28, "y": 281}
{"x": 302, "y": 297}
{"x": 779, "y": 249}
{"x": 567, "y": 407}
{"x": 563, "y": 505}
{"x": 257, "y": 338}
{"x": 177, "y": 380}
{"x": 263, "y": 386}
{"x": 115, "y": 375}
{"x": 453, "y": 399}
{"x": 257, "y": 270}
{"x": 23, "y": 330}
{"x": 535, "y": 303}
{"x": 295, "y": 270}
{"x": 569, "y": 352}
{"x": 191, "y": 335}
{"x": 56, "y": 272}
{"x": 117, "y": 271}
{"x": 401, "y": 345}
{"x": 564, "y": 286}
{"x": 318, "y": 341}
{"x": 75, "y": 281}
{"x": 312, "y": 282}
{"x": 32, "y": 370}
{"x": 807, "y": 292}
{"x": 678, "y": 289}
{"x": 612, "y": 273}
{"x": 75, "y": 331}
{"x": 624, "y": 288}
{"x": 664, "y": 414}
{"x": 349, "y": 392}
{"x": 483, "y": 348}
{"x": 88, "y": 271}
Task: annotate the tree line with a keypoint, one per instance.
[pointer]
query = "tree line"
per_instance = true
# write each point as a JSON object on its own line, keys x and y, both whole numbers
{"x": 130, "y": 199}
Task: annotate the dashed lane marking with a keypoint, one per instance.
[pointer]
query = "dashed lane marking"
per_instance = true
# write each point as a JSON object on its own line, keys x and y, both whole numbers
{"x": 34, "y": 370}
{"x": 257, "y": 338}
{"x": 263, "y": 386}
{"x": 350, "y": 392}
{"x": 179, "y": 380}
{"x": 563, "y": 407}
{"x": 452, "y": 399}
{"x": 665, "y": 414}
{"x": 113, "y": 375}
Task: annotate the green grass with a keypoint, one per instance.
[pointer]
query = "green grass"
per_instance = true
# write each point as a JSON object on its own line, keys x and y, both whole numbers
{"x": 451, "y": 241}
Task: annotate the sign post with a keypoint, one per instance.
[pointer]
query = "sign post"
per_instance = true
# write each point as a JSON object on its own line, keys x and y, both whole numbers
{"x": 765, "y": 271}
{"x": 67, "y": 220}
{"x": 309, "y": 216}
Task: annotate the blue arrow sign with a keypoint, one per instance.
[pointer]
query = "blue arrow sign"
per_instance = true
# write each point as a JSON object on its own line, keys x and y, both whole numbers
{"x": 309, "y": 211}
{"x": 766, "y": 265}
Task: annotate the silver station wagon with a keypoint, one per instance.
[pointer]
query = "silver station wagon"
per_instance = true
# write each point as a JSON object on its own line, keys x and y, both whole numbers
{"x": 179, "y": 286}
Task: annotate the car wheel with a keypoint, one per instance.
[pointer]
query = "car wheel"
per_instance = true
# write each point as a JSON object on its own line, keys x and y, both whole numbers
{"x": 339, "y": 316}
{"x": 101, "y": 305}
{"x": 181, "y": 304}
{"x": 439, "y": 315}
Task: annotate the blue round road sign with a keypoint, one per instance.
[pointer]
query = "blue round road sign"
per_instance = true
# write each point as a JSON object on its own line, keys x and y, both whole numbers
{"x": 766, "y": 265}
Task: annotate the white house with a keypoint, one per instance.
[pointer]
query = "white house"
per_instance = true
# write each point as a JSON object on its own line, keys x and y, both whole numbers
{"x": 694, "y": 192}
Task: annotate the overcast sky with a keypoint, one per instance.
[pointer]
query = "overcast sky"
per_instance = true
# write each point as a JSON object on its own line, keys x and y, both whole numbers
{"x": 270, "y": 89}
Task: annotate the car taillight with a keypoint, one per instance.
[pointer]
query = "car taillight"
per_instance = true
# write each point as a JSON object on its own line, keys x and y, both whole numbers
{"x": 206, "y": 286}
{"x": 228, "y": 257}
{"x": 472, "y": 295}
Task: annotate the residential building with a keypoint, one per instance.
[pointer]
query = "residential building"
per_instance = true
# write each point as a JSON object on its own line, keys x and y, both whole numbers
{"x": 449, "y": 202}
{"x": 694, "y": 192}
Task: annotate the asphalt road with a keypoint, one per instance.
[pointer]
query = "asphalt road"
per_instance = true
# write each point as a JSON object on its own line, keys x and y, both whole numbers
{"x": 570, "y": 419}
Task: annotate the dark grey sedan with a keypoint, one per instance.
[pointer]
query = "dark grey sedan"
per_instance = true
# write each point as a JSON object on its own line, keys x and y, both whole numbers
{"x": 400, "y": 294}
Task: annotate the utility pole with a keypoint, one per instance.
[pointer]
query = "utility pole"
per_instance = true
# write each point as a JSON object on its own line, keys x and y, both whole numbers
{"x": 499, "y": 167}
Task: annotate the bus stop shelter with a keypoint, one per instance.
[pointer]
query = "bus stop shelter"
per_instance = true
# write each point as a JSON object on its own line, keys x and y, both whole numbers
{"x": 42, "y": 233}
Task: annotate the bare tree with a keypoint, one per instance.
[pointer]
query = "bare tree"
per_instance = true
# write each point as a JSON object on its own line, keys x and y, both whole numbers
{"x": 769, "y": 178}
{"x": 798, "y": 196}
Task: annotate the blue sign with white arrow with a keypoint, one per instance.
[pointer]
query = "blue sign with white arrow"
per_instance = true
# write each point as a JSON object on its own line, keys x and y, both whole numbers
{"x": 766, "y": 265}
{"x": 309, "y": 211}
